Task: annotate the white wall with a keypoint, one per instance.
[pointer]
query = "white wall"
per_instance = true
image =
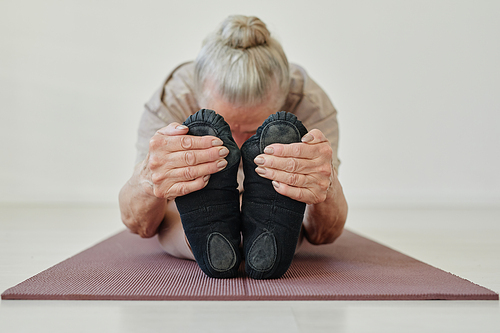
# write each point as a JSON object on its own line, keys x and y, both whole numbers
{"x": 416, "y": 84}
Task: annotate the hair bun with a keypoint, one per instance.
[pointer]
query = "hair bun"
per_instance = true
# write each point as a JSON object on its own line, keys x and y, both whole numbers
{"x": 243, "y": 32}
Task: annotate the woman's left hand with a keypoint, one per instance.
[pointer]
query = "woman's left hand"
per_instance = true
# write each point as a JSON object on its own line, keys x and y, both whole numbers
{"x": 301, "y": 171}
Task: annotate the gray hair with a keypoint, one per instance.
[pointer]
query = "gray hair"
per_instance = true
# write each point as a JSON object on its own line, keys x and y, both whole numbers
{"x": 242, "y": 62}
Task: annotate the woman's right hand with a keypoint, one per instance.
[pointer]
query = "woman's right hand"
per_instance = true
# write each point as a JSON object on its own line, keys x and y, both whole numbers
{"x": 178, "y": 164}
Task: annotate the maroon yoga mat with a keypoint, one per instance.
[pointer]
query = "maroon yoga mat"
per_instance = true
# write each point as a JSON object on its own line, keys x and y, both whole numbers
{"x": 126, "y": 267}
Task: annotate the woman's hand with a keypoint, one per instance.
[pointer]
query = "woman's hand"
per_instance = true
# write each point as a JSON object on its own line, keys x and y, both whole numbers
{"x": 302, "y": 171}
{"x": 178, "y": 164}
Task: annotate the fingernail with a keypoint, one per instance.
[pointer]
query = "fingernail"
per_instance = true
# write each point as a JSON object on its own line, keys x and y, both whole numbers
{"x": 222, "y": 164}
{"x": 276, "y": 184}
{"x": 269, "y": 150}
{"x": 307, "y": 138}
{"x": 206, "y": 178}
{"x": 259, "y": 160}
{"x": 217, "y": 142}
{"x": 181, "y": 127}
{"x": 260, "y": 171}
{"x": 223, "y": 152}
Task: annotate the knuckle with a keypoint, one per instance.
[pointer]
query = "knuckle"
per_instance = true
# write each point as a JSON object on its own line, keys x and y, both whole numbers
{"x": 168, "y": 194}
{"x": 156, "y": 178}
{"x": 158, "y": 193}
{"x": 154, "y": 161}
{"x": 186, "y": 142}
{"x": 318, "y": 197}
{"x": 293, "y": 179}
{"x": 300, "y": 196}
{"x": 291, "y": 165}
{"x": 190, "y": 173}
{"x": 324, "y": 185}
{"x": 296, "y": 150}
{"x": 155, "y": 142}
{"x": 183, "y": 189}
{"x": 189, "y": 158}
{"x": 326, "y": 151}
{"x": 325, "y": 169}
{"x": 329, "y": 153}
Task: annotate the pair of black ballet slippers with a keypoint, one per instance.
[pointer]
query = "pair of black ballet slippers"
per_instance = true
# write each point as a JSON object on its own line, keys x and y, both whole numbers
{"x": 269, "y": 222}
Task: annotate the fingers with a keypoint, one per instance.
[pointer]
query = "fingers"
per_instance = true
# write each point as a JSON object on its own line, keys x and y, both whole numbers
{"x": 314, "y": 136}
{"x": 301, "y": 171}
{"x": 292, "y": 179}
{"x": 174, "y": 138}
{"x": 183, "y": 142}
{"x": 185, "y": 174}
{"x": 173, "y": 129}
{"x": 310, "y": 188}
{"x": 288, "y": 164}
{"x": 313, "y": 144}
{"x": 315, "y": 184}
{"x": 179, "y": 164}
{"x": 306, "y": 159}
{"x": 290, "y": 150}
{"x": 169, "y": 183}
{"x": 181, "y": 188}
{"x": 300, "y": 194}
{"x": 188, "y": 158}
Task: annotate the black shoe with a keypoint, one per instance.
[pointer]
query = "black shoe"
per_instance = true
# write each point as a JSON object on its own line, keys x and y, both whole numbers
{"x": 211, "y": 216}
{"x": 271, "y": 222}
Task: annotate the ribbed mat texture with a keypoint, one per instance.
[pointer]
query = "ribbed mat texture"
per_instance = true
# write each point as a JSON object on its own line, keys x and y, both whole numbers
{"x": 126, "y": 267}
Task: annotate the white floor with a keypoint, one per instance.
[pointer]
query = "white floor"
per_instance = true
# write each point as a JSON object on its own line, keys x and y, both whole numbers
{"x": 465, "y": 242}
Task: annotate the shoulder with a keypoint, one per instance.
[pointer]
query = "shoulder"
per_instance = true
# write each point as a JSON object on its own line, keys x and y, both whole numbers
{"x": 175, "y": 99}
{"x": 309, "y": 102}
{"x": 306, "y": 99}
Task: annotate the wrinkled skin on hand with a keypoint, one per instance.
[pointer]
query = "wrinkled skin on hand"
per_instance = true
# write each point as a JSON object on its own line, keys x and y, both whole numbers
{"x": 178, "y": 164}
{"x": 302, "y": 171}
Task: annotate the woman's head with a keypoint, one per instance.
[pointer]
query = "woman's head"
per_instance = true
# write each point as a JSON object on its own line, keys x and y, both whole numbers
{"x": 242, "y": 64}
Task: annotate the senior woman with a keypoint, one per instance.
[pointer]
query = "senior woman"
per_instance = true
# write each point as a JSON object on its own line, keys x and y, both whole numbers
{"x": 184, "y": 186}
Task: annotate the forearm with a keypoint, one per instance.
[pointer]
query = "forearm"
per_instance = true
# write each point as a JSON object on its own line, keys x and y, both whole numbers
{"x": 324, "y": 222}
{"x": 141, "y": 211}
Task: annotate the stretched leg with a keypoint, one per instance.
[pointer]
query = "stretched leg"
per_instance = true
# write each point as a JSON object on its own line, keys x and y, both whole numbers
{"x": 211, "y": 216}
{"x": 171, "y": 235}
{"x": 271, "y": 222}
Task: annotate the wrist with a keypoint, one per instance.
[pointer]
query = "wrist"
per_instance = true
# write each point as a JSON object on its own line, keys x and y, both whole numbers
{"x": 143, "y": 180}
{"x": 334, "y": 182}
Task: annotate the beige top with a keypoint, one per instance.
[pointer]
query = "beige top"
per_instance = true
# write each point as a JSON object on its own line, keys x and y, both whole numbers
{"x": 176, "y": 100}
